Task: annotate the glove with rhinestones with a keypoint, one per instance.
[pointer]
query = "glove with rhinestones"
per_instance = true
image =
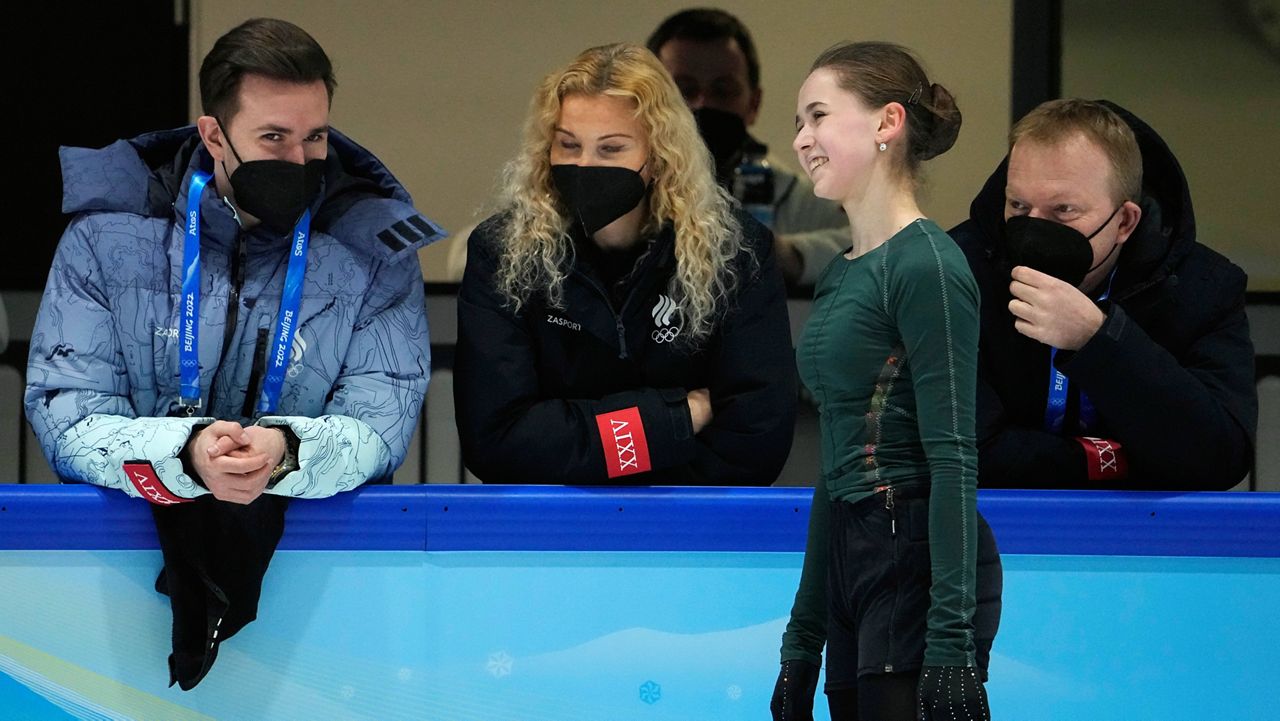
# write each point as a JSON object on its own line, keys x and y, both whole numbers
{"x": 793, "y": 693}
{"x": 952, "y": 693}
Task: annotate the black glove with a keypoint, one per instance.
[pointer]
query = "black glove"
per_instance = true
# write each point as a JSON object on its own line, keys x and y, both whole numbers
{"x": 793, "y": 693}
{"x": 946, "y": 691}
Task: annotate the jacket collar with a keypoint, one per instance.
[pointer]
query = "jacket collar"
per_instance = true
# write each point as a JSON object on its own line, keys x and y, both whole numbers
{"x": 149, "y": 176}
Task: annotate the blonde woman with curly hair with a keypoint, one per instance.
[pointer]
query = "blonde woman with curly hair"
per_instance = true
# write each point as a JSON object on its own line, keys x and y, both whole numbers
{"x": 620, "y": 320}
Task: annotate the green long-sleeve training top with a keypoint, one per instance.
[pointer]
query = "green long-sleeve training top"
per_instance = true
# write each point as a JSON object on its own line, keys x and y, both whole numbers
{"x": 890, "y": 354}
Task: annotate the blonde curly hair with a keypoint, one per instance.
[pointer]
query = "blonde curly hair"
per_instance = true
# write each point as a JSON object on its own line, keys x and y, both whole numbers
{"x": 536, "y": 248}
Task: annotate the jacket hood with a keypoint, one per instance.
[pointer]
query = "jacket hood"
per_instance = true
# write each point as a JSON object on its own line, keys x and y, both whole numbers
{"x": 148, "y": 174}
{"x": 1166, "y": 232}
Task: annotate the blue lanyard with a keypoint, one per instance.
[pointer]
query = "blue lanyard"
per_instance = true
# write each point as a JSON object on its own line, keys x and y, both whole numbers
{"x": 188, "y": 351}
{"x": 1055, "y": 409}
{"x": 286, "y": 321}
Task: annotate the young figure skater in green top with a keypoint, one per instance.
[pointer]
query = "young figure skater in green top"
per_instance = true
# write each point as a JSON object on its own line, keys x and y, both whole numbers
{"x": 901, "y": 575}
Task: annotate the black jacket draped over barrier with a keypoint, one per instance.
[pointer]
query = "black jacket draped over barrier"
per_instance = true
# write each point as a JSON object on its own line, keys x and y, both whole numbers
{"x": 215, "y": 557}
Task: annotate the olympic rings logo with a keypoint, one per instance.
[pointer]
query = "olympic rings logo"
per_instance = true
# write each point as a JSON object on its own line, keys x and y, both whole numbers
{"x": 665, "y": 335}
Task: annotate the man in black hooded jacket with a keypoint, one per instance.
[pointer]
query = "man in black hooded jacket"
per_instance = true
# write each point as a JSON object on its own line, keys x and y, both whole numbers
{"x": 1114, "y": 351}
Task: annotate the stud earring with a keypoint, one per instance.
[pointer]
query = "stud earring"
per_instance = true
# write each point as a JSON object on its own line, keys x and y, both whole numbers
{"x": 883, "y": 147}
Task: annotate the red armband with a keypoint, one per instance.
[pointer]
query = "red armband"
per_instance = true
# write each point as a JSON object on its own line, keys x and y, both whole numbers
{"x": 144, "y": 479}
{"x": 1104, "y": 459}
{"x": 622, "y": 435}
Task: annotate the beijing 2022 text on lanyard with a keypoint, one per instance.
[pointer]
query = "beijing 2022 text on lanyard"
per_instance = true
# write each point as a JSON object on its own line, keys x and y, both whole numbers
{"x": 286, "y": 321}
{"x": 1055, "y": 409}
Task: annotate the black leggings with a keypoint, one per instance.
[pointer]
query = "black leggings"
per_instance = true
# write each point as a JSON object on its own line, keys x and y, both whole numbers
{"x": 877, "y": 697}
{"x": 879, "y": 583}
{"x": 879, "y": 589}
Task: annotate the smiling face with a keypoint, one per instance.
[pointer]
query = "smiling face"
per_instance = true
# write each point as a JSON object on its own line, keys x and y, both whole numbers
{"x": 836, "y": 137}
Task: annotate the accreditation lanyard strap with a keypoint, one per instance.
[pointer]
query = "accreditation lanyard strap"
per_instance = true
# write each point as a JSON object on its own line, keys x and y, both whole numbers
{"x": 286, "y": 321}
{"x": 188, "y": 352}
{"x": 1055, "y": 409}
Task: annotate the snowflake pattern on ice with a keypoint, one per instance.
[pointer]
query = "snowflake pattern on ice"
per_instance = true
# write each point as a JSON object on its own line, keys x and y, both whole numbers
{"x": 734, "y": 692}
{"x": 499, "y": 664}
{"x": 650, "y": 692}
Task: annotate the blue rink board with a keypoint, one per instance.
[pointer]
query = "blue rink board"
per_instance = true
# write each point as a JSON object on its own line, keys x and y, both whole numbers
{"x": 561, "y": 636}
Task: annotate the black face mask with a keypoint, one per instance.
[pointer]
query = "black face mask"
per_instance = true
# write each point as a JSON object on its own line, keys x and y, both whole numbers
{"x": 725, "y": 134}
{"x": 276, "y": 192}
{"x": 597, "y": 195}
{"x": 1053, "y": 248}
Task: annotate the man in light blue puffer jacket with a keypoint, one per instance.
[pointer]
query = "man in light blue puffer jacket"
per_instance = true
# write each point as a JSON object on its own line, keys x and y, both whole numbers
{"x": 301, "y": 396}
{"x": 234, "y": 317}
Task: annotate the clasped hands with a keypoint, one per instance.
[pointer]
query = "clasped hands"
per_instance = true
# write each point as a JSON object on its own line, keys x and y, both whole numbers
{"x": 235, "y": 462}
{"x": 1051, "y": 311}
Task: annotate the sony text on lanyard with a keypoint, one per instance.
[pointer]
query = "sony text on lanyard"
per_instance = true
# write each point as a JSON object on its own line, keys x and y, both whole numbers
{"x": 286, "y": 321}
